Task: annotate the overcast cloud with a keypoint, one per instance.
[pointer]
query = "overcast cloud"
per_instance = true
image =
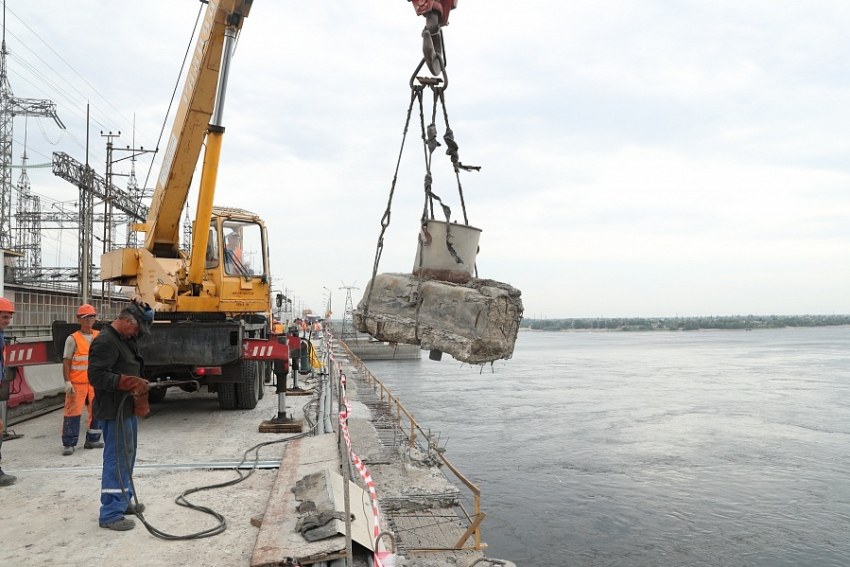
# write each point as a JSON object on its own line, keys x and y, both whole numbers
{"x": 646, "y": 158}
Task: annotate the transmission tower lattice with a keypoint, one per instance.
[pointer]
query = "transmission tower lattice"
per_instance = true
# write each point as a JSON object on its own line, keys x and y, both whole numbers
{"x": 348, "y": 331}
{"x": 11, "y": 106}
{"x": 187, "y": 232}
{"x": 92, "y": 185}
{"x": 28, "y": 220}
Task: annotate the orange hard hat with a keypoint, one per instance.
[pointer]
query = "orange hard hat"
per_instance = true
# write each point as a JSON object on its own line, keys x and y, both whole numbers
{"x": 6, "y": 306}
{"x": 86, "y": 309}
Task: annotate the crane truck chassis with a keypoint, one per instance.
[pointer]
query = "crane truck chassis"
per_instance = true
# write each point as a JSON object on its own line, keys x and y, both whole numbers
{"x": 189, "y": 355}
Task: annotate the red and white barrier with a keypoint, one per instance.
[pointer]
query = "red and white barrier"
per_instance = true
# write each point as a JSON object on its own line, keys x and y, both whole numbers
{"x": 36, "y": 377}
{"x": 362, "y": 470}
{"x": 45, "y": 380}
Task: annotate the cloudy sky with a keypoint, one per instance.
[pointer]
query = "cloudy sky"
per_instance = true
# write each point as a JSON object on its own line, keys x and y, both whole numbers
{"x": 647, "y": 158}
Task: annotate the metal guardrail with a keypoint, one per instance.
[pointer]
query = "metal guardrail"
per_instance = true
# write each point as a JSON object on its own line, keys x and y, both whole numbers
{"x": 22, "y": 331}
{"x": 405, "y": 418}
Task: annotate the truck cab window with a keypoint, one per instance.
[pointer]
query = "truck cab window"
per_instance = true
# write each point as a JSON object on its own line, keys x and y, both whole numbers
{"x": 212, "y": 248}
{"x": 243, "y": 248}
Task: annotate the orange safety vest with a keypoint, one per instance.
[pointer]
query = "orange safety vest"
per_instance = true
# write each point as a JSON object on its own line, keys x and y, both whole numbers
{"x": 80, "y": 363}
{"x": 278, "y": 329}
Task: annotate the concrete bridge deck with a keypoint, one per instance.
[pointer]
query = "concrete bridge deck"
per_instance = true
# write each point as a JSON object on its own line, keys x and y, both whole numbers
{"x": 50, "y": 515}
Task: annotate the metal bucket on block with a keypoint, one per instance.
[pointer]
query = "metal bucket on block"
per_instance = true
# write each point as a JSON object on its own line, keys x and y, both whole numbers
{"x": 437, "y": 260}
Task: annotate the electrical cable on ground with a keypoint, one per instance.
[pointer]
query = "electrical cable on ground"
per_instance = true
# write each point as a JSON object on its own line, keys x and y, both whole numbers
{"x": 182, "y": 500}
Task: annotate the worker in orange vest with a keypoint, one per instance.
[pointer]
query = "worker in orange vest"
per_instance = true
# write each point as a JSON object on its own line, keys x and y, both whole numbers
{"x": 277, "y": 328}
{"x": 78, "y": 391}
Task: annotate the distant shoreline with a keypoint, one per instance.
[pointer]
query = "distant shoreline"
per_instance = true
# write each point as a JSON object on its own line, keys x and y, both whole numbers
{"x": 728, "y": 323}
{"x": 623, "y": 330}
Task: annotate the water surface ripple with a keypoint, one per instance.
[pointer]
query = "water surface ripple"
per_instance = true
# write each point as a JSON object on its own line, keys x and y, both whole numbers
{"x": 651, "y": 449}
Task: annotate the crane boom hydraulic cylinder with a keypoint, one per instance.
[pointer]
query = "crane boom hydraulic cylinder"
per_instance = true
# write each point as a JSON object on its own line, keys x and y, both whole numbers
{"x": 209, "y": 173}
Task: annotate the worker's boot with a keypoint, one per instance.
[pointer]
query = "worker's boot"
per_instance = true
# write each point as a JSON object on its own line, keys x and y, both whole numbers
{"x": 7, "y": 479}
{"x": 120, "y": 525}
{"x": 68, "y": 451}
{"x": 93, "y": 445}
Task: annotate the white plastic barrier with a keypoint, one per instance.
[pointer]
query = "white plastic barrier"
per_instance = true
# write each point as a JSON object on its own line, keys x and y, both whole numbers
{"x": 44, "y": 380}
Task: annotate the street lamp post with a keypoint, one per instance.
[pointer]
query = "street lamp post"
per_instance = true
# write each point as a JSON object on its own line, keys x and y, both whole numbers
{"x": 330, "y": 297}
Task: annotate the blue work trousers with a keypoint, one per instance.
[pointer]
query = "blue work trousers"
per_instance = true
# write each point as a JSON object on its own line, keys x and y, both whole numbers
{"x": 119, "y": 439}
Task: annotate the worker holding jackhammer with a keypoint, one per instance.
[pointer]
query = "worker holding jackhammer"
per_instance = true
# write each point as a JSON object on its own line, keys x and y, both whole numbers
{"x": 78, "y": 391}
{"x": 121, "y": 395}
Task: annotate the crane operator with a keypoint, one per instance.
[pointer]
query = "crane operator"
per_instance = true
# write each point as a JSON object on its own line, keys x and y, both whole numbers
{"x": 233, "y": 254}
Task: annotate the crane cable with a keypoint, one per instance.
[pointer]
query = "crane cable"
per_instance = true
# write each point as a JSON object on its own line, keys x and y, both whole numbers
{"x": 415, "y": 94}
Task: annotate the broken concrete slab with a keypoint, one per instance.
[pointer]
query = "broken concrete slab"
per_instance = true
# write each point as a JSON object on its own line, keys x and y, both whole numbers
{"x": 475, "y": 322}
{"x": 322, "y": 508}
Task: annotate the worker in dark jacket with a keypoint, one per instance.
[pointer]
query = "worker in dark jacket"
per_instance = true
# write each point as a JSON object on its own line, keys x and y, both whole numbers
{"x": 115, "y": 369}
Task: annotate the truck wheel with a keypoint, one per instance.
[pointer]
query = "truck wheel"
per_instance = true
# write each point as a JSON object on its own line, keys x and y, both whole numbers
{"x": 248, "y": 390}
{"x": 157, "y": 395}
{"x": 226, "y": 395}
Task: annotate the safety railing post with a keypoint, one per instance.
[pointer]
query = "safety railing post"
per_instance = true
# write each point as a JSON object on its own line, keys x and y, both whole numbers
{"x": 478, "y": 527}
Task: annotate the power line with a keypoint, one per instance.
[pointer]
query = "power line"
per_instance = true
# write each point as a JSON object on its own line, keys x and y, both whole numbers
{"x": 129, "y": 122}
{"x": 46, "y": 94}
{"x": 74, "y": 106}
{"x": 43, "y": 77}
{"x": 174, "y": 92}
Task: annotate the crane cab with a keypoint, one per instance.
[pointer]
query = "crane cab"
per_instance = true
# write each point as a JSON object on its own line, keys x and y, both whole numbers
{"x": 235, "y": 277}
{"x": 236, "y": 261}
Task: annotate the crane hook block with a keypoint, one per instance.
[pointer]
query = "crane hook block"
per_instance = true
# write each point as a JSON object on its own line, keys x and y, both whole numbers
{"x": 442, "y": 7}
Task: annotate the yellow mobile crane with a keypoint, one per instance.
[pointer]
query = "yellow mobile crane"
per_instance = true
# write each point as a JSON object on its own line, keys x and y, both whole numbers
{"x": 211, "y": 302}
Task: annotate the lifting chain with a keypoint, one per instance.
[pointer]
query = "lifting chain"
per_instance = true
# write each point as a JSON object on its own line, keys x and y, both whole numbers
{"x": 415, "y": 94}
{"x": 430, "y": 143}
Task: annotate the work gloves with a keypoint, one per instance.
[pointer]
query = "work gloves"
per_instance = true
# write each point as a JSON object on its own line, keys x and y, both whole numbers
{"x": 139, "y": 388}
{"x": 69, "y": 389}
{"x": 134, "y": 384}
{"x": 140, "y": 406}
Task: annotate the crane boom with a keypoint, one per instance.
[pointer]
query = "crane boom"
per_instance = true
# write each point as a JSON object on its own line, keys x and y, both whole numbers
{"x": 197, "y": 103}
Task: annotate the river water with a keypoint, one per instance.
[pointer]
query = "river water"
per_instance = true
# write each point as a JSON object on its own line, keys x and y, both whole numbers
{"x": 727, "y": 448}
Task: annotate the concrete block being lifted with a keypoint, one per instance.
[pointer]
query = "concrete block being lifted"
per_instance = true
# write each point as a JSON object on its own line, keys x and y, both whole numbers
{"x": 475, "y": 322}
